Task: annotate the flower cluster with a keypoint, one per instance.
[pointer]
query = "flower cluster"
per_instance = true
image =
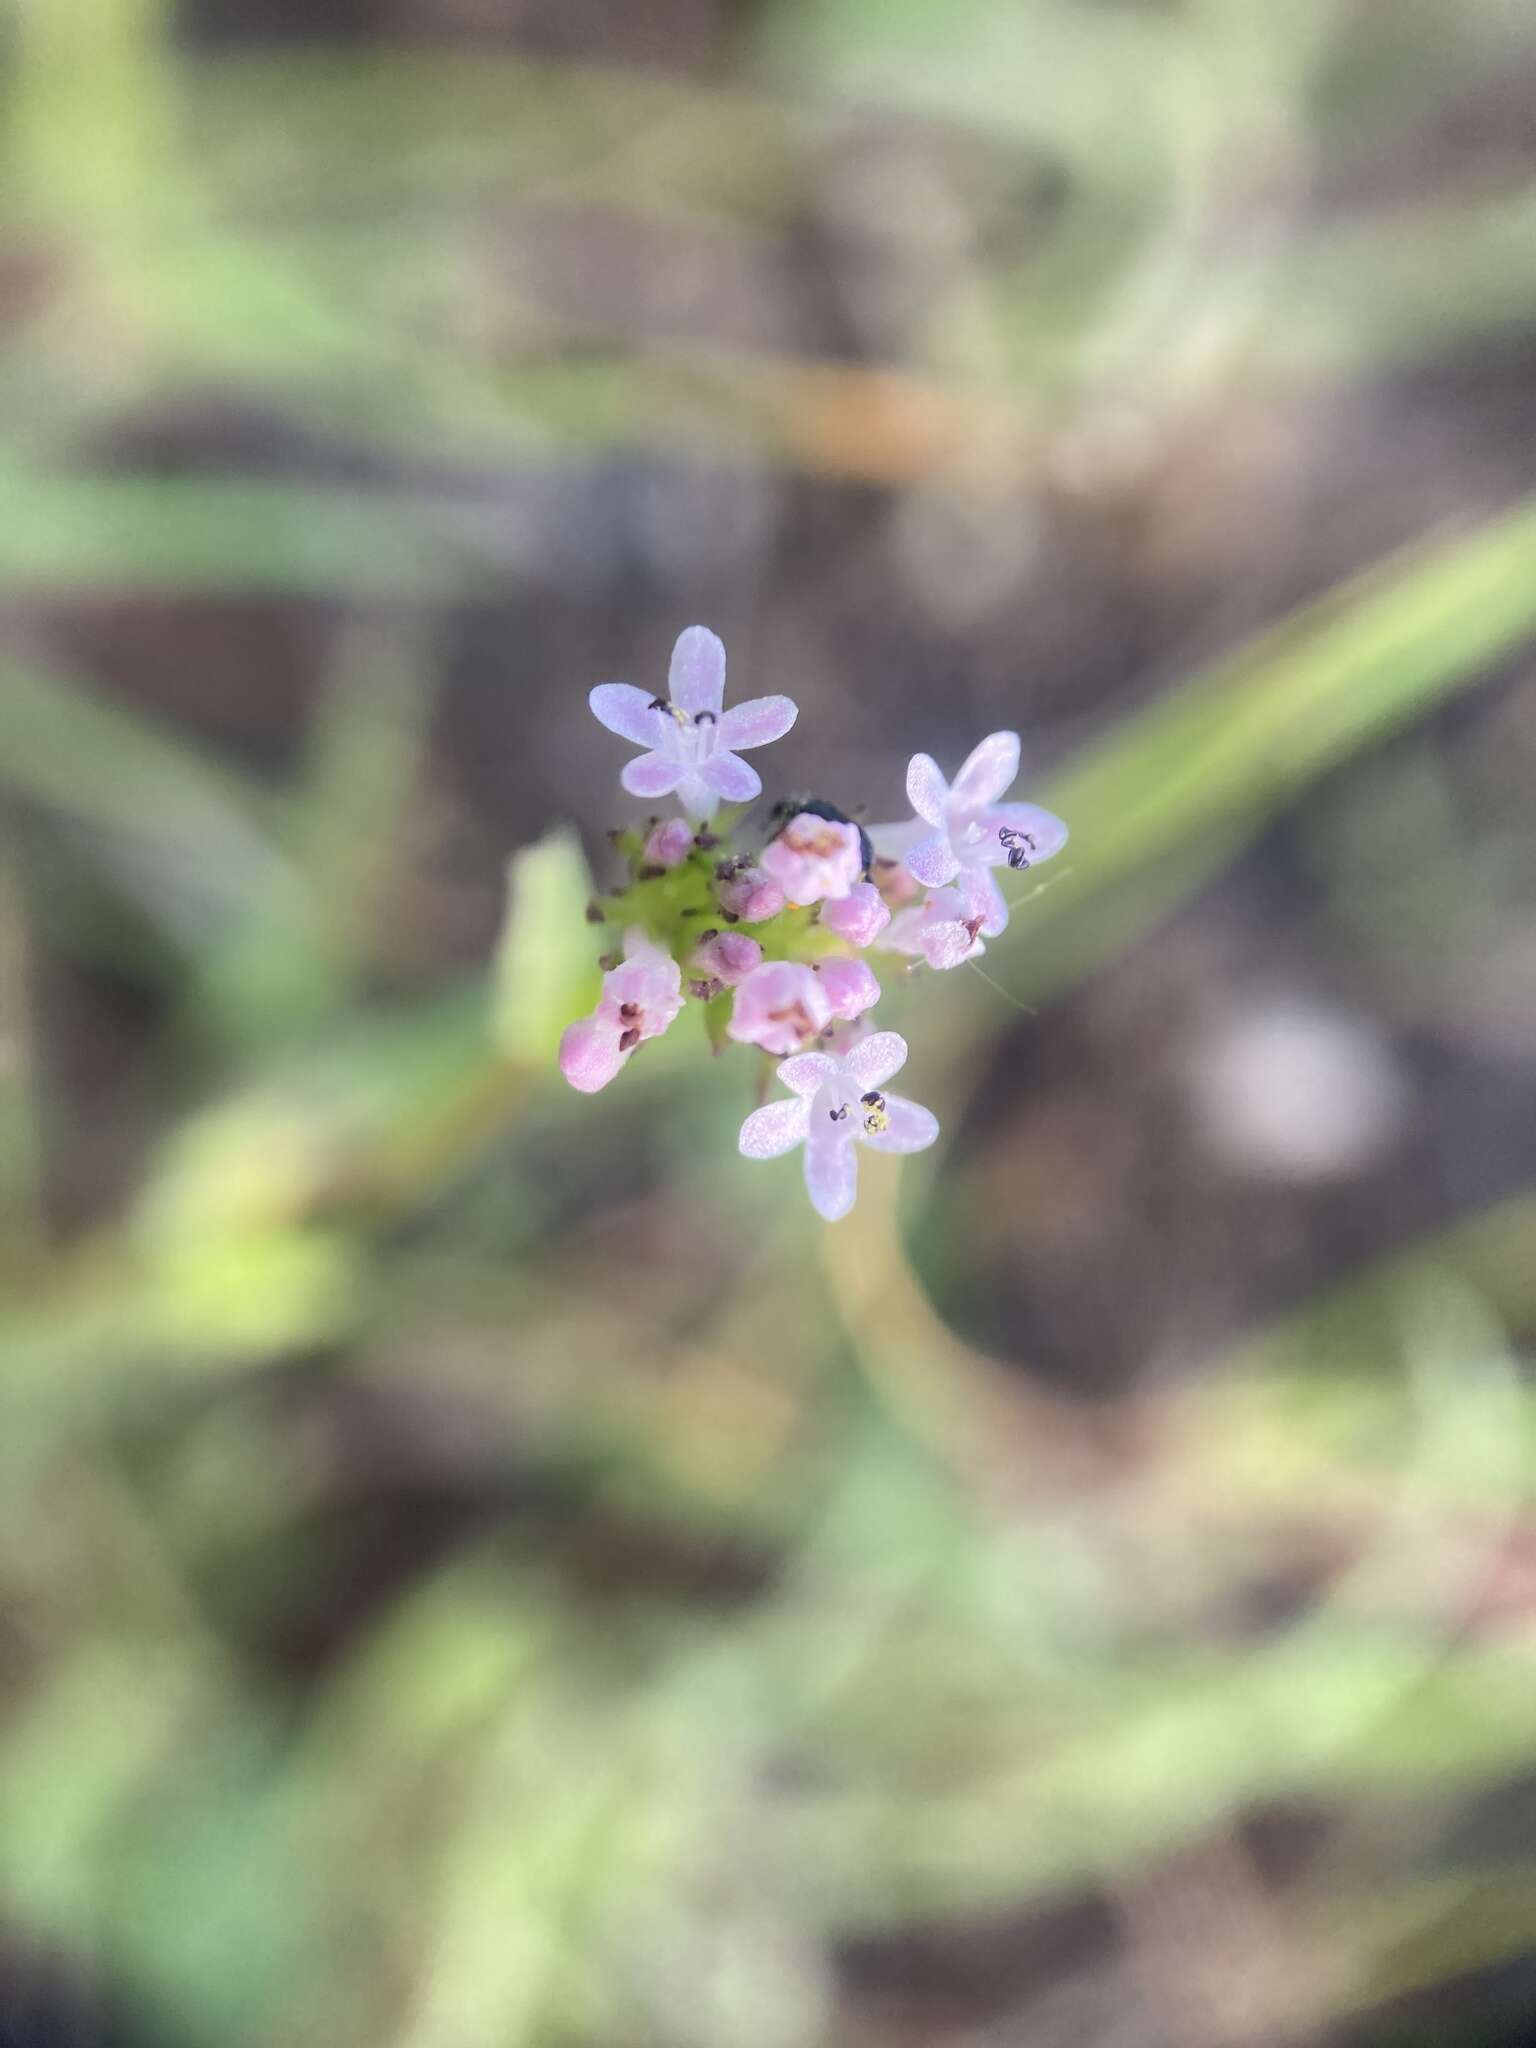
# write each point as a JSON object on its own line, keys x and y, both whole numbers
{"x": 764, "y": 931}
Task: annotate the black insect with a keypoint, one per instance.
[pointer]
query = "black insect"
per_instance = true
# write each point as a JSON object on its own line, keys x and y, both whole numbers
{"x": 1020, "y": 846}
{"x": 792, "y": 806}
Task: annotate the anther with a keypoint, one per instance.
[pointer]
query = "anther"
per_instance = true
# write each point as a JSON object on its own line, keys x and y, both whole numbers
{"x": 608, "y": 961}
{"x": 839, "y": 1113}
{"x": 705, "y": 717}
{"x": 629, "y": 1012}
{"x": 629, "y": 1039}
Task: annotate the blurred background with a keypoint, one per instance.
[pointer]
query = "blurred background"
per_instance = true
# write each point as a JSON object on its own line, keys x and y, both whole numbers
{"x": 480, "y": 1567}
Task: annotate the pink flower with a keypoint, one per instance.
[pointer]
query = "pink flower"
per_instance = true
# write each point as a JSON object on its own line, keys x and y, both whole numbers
{"x": 640, "y": 998}
{"x": 745, "y": 892}
{"x": 669, "y": 844}
{"x": 849, "y": 986}
{"x": 859, "y": 917}
{"x": 837, "y": 1104}
{"x": 972, "y": 832}
{"x": 814, "y": 857}
{"x": 726, "y": 957}
{"x": 947, "y": 928}
{"x": 780, "y": 1006}
{"x": 688, "y": 738}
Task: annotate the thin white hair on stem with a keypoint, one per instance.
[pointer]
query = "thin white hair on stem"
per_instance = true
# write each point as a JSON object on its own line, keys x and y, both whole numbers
{"x": 1039, "y": 889}
{"x": 1007, "y": 994}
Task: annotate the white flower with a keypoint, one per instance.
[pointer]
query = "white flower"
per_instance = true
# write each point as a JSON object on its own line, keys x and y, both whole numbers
{"x": 971, "y": 831}
{"x": 689, "y": 739}
{"x": 838, "y": 1103}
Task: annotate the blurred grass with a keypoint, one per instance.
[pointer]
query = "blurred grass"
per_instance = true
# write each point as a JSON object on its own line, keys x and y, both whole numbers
{"x": 511, "y": 1800}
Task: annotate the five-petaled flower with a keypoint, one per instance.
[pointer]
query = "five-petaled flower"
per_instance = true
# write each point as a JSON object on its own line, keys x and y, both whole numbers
{"x": 971, "y": 831}
{"x": 837, "y": 1104}
{"x": 690, "y": 741}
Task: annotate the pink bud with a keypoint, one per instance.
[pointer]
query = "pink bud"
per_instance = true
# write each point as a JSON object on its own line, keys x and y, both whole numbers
{"x": 728, "y": 957}
{"x": 814, "y": 857}
{"x": 668, "y": 844}
{"x": 859, "y": 917}
{"x": 780, "y": 1006}
{"x": 849, "y": 987}
{"x": 747, "y": 893}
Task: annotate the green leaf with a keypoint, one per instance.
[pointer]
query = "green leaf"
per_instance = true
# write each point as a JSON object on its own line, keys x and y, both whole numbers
{"x": 546, "y": 959}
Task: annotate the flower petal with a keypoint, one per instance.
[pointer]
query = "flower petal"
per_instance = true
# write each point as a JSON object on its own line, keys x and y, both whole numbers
{"x": 874, "y": 1059}
{"x": 859, "y": 917}
{"x": 911, "y": 1128}
{"x": 589, "y": 1054}
{"x": 806, "y": 1071}
{"x": 982, "y": 898}
{"x": 698, "y": 800}
{"x": 892, "y": 841}
{"x": 933, "y": 861}
{"x": 1048, "y": 832}
{"x": 831, "y": 1165}
{"x": 627, "y": 711}
{"x": 651, "y": 775}
{"x": 989, "y": 770}
{"x": 757, "y": 721}
{"x": 849, "y": 986}
{"x": 927, "y": 791}
{"x": 948, "y": 943}
{"x": 696, "y": 679}
{"x": 731, "y": 777}
{"x": 776, "y": 1128}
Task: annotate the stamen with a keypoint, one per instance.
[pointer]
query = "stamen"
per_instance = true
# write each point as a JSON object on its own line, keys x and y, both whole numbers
{"x": 629, "y": 1012}
{"x": 629, "y": 1039}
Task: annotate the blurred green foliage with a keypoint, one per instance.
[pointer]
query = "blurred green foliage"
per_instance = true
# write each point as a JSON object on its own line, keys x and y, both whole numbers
{"x": 742, "y": 1613}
